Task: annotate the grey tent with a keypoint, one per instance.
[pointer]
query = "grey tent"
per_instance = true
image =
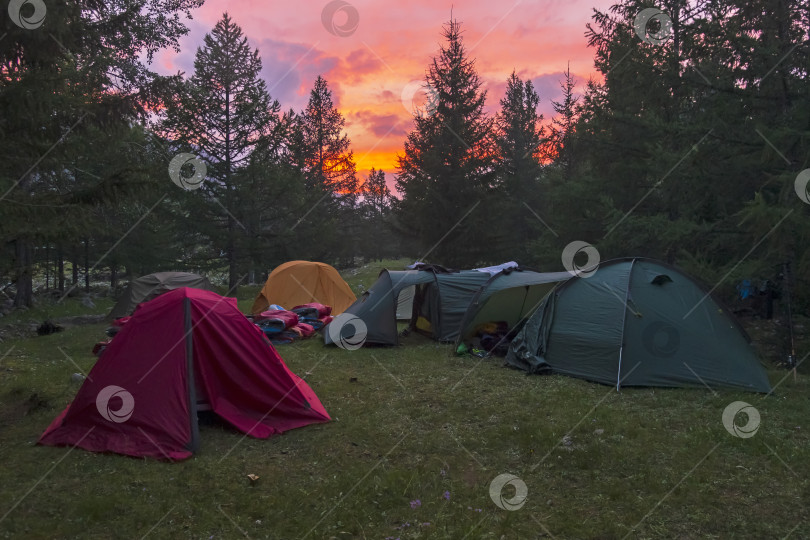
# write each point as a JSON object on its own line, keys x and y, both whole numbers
{"x": 638, "y": 322}
{"x": 151, "y": 286}
{"x": 443, "y": 301}
{"x": 377, "y": 307}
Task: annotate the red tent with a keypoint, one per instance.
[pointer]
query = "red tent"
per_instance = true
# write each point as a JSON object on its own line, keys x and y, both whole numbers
{"x": 140, "y": 398}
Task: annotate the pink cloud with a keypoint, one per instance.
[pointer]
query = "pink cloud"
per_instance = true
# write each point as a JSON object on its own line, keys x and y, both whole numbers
{"x": 393, "y": 44}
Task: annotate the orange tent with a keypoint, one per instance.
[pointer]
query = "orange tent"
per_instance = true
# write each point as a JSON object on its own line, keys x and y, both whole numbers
{"x": 301, "y": 282}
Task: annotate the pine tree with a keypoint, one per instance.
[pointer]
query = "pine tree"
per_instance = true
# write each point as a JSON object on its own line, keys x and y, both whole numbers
{"x": 80, "y": 73}
{"x": 447, "y": 169}
{"x": 225, "y": 115}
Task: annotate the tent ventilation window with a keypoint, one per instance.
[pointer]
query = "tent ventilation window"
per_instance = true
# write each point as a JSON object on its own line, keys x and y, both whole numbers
{"x": 660, "y": 279}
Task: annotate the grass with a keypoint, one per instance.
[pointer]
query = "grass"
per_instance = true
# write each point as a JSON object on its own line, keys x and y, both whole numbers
{"x": 413, "y": 423}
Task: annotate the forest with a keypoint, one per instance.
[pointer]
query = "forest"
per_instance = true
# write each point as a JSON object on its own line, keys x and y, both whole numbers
{"x": 693, "y": 147}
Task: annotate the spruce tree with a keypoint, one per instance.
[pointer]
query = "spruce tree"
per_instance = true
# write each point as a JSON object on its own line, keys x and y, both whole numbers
{"x": 324, "y": 149}
{"x": 377, "y": 205}
{"x": 320, "y": 151}
{"x": 563, "y": 124}
{"x": 447, "y": 171}
{"x": 520, "y": 137}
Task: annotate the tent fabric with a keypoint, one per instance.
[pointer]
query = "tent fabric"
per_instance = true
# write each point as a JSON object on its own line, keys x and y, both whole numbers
{"x": 184, "y": 347}
{"x": 509, "y": 296}
{"x": 151, "y": 286}
{"x": 301, "y": 282}
{"x": 638, "y": 322}
{"x": 441, "y": 299}
{"x": 377, "y": 306}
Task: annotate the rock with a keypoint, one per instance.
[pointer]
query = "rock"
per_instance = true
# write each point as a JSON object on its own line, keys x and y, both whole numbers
{"x": 567, "y": 440}
{"x": 598, "y": 431}
{"x": 77, "y": 378}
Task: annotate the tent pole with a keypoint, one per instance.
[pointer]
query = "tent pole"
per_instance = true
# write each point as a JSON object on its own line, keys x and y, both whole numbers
{"x": 194, "y": 444}
{"x": 624, "y": 320}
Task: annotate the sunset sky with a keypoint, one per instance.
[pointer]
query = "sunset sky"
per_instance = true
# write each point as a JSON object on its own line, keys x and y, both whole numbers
{"x": 381, "y": 48}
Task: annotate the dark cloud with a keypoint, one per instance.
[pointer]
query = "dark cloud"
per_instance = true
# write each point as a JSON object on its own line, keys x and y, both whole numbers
{"x": 381, "y": 125}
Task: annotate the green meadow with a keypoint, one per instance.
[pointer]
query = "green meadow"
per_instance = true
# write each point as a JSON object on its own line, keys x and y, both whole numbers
{"x": 417, "y": 437}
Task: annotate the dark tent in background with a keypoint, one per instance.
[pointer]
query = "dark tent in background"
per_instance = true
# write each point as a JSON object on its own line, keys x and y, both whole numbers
{"x": 185, "y": 350}
{"x": 151, "y": 286}
{"x": 638, "y": 322}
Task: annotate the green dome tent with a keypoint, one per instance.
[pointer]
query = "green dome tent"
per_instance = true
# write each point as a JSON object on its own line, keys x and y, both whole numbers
{"x": 638, "y": 322}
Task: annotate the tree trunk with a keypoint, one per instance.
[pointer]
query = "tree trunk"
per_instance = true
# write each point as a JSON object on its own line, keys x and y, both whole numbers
{"x": 113, "y": 276}
{"x": 24, "y": 274}
{"x": 232, "y": 282}
{"x": 75, "y": 263}
{"x": 48, "y": 267}
{"x": 86, "y": 266}
{"x": 60, "y": 267}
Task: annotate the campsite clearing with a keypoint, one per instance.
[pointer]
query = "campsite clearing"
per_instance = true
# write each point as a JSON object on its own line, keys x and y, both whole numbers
{"x": 413, "y": 423}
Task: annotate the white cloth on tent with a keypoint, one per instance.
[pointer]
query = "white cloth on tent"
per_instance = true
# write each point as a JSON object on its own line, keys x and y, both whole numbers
{"x": 414, "y": 265}
{"x": 492, "y": 270}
